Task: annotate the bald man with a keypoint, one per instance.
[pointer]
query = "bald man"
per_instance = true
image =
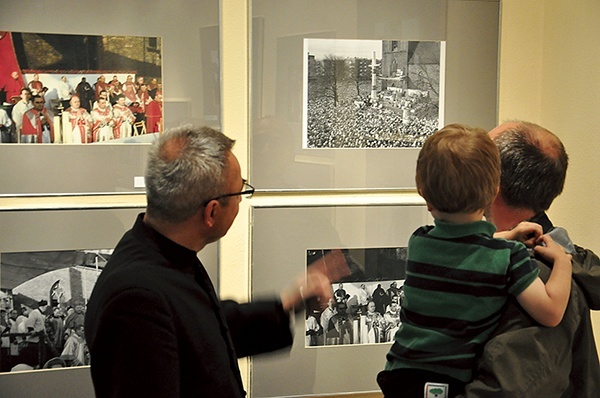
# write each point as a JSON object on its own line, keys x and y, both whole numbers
{"x": 525, "y": 359}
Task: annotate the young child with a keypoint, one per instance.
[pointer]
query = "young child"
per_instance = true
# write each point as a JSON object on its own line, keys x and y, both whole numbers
{"x": 459, "y": 274}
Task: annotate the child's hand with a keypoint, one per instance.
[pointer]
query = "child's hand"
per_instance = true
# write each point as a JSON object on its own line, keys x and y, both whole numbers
{"x": 526, "y": 232}
{"x": 546, "y": 303}
{"x": 551, "y": 251}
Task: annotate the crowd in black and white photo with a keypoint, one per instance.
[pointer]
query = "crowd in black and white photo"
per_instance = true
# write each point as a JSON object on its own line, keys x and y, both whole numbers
{"x": 362, "y": 125}
{"x": 43, "y": 335}
{"x": 358, "y": 313}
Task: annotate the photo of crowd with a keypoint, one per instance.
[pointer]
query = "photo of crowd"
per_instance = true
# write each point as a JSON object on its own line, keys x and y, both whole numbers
{"x": 371, "y": 93}
{"x": 72, "y": 89}
{"x": 43, "y": 298}
{"x": 364, "y": 313}
{"x": 365, "y": 308}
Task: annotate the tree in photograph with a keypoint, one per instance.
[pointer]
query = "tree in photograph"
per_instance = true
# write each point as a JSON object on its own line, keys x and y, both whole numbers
{"x": 427, "y": 80}
{"x": 336, "y": 72}
{"x": 359, "y": 75}
{"x": 355, "y": 75}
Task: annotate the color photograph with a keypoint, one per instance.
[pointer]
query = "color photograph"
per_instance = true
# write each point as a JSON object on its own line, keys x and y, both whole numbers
{"x": 79, "y": 89}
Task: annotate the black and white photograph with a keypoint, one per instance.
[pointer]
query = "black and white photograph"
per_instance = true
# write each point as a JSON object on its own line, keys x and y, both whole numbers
{"x": 365, "y": 307}
{"x": 43, "y": 297}
{"x": 371, "y": 93}
{"x": 80, "y": 89}
{"x": 373, "y": 240}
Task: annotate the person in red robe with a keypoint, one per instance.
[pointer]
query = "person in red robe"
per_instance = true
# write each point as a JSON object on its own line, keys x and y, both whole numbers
{"x": 101, "y": 85}
{"x": 143, "y": 96}
{"x": 80, "y": 122}
{"x": 123, "y": 119}
{"x": 36, "y": 86}
{"x": 37, "y": 124}
{"x": 129, "y": 90}
{"x": 115, "y": 82}
{"x": 154, "y": 114}
{"x": 13, "y": 87}
{"x": 102, "y": 129}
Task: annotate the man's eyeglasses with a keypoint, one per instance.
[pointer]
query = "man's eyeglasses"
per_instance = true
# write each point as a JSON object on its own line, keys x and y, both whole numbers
{"x": 247, "y": 190}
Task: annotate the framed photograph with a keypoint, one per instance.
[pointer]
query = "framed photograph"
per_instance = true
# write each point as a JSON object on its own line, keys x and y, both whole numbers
{"x": 51, "y": 256}
{"x": 43, "y": 297}
{"x": 365, "y": 307}
{"x": 93, "y": 89}
{"x": 327, "y": 114}
{"x": 371, "y": 93}
{"x": 101, "y": 155}
{"x": 373, "y": 240}
{"x": 48, "y": 268}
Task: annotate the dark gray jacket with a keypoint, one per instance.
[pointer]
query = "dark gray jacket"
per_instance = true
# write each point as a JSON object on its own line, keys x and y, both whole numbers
{"x": 525, "y": 359}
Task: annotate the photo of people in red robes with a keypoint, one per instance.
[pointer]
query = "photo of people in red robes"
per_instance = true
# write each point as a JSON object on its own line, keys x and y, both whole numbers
{"x": 112, "y": 95}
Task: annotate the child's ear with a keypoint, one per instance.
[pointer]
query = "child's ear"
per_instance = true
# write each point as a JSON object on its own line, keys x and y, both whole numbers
{"x": 429, "y": 207}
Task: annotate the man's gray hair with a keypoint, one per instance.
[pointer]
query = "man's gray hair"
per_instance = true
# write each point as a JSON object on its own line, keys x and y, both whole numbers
{"x": 186, "y": 168}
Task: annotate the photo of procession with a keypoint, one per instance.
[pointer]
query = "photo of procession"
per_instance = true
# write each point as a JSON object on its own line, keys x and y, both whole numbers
{"x": 365, "y": 308}
{"x": 43, "y": 297}
{"x": 371, "y": 93}
{"x": 79, "y": 89}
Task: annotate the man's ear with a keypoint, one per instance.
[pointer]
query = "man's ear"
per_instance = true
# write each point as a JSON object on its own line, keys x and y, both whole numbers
{"x": 210, "y": 213}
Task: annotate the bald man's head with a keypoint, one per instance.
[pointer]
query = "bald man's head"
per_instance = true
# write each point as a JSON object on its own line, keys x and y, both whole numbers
{"x": 533, "y": 165}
